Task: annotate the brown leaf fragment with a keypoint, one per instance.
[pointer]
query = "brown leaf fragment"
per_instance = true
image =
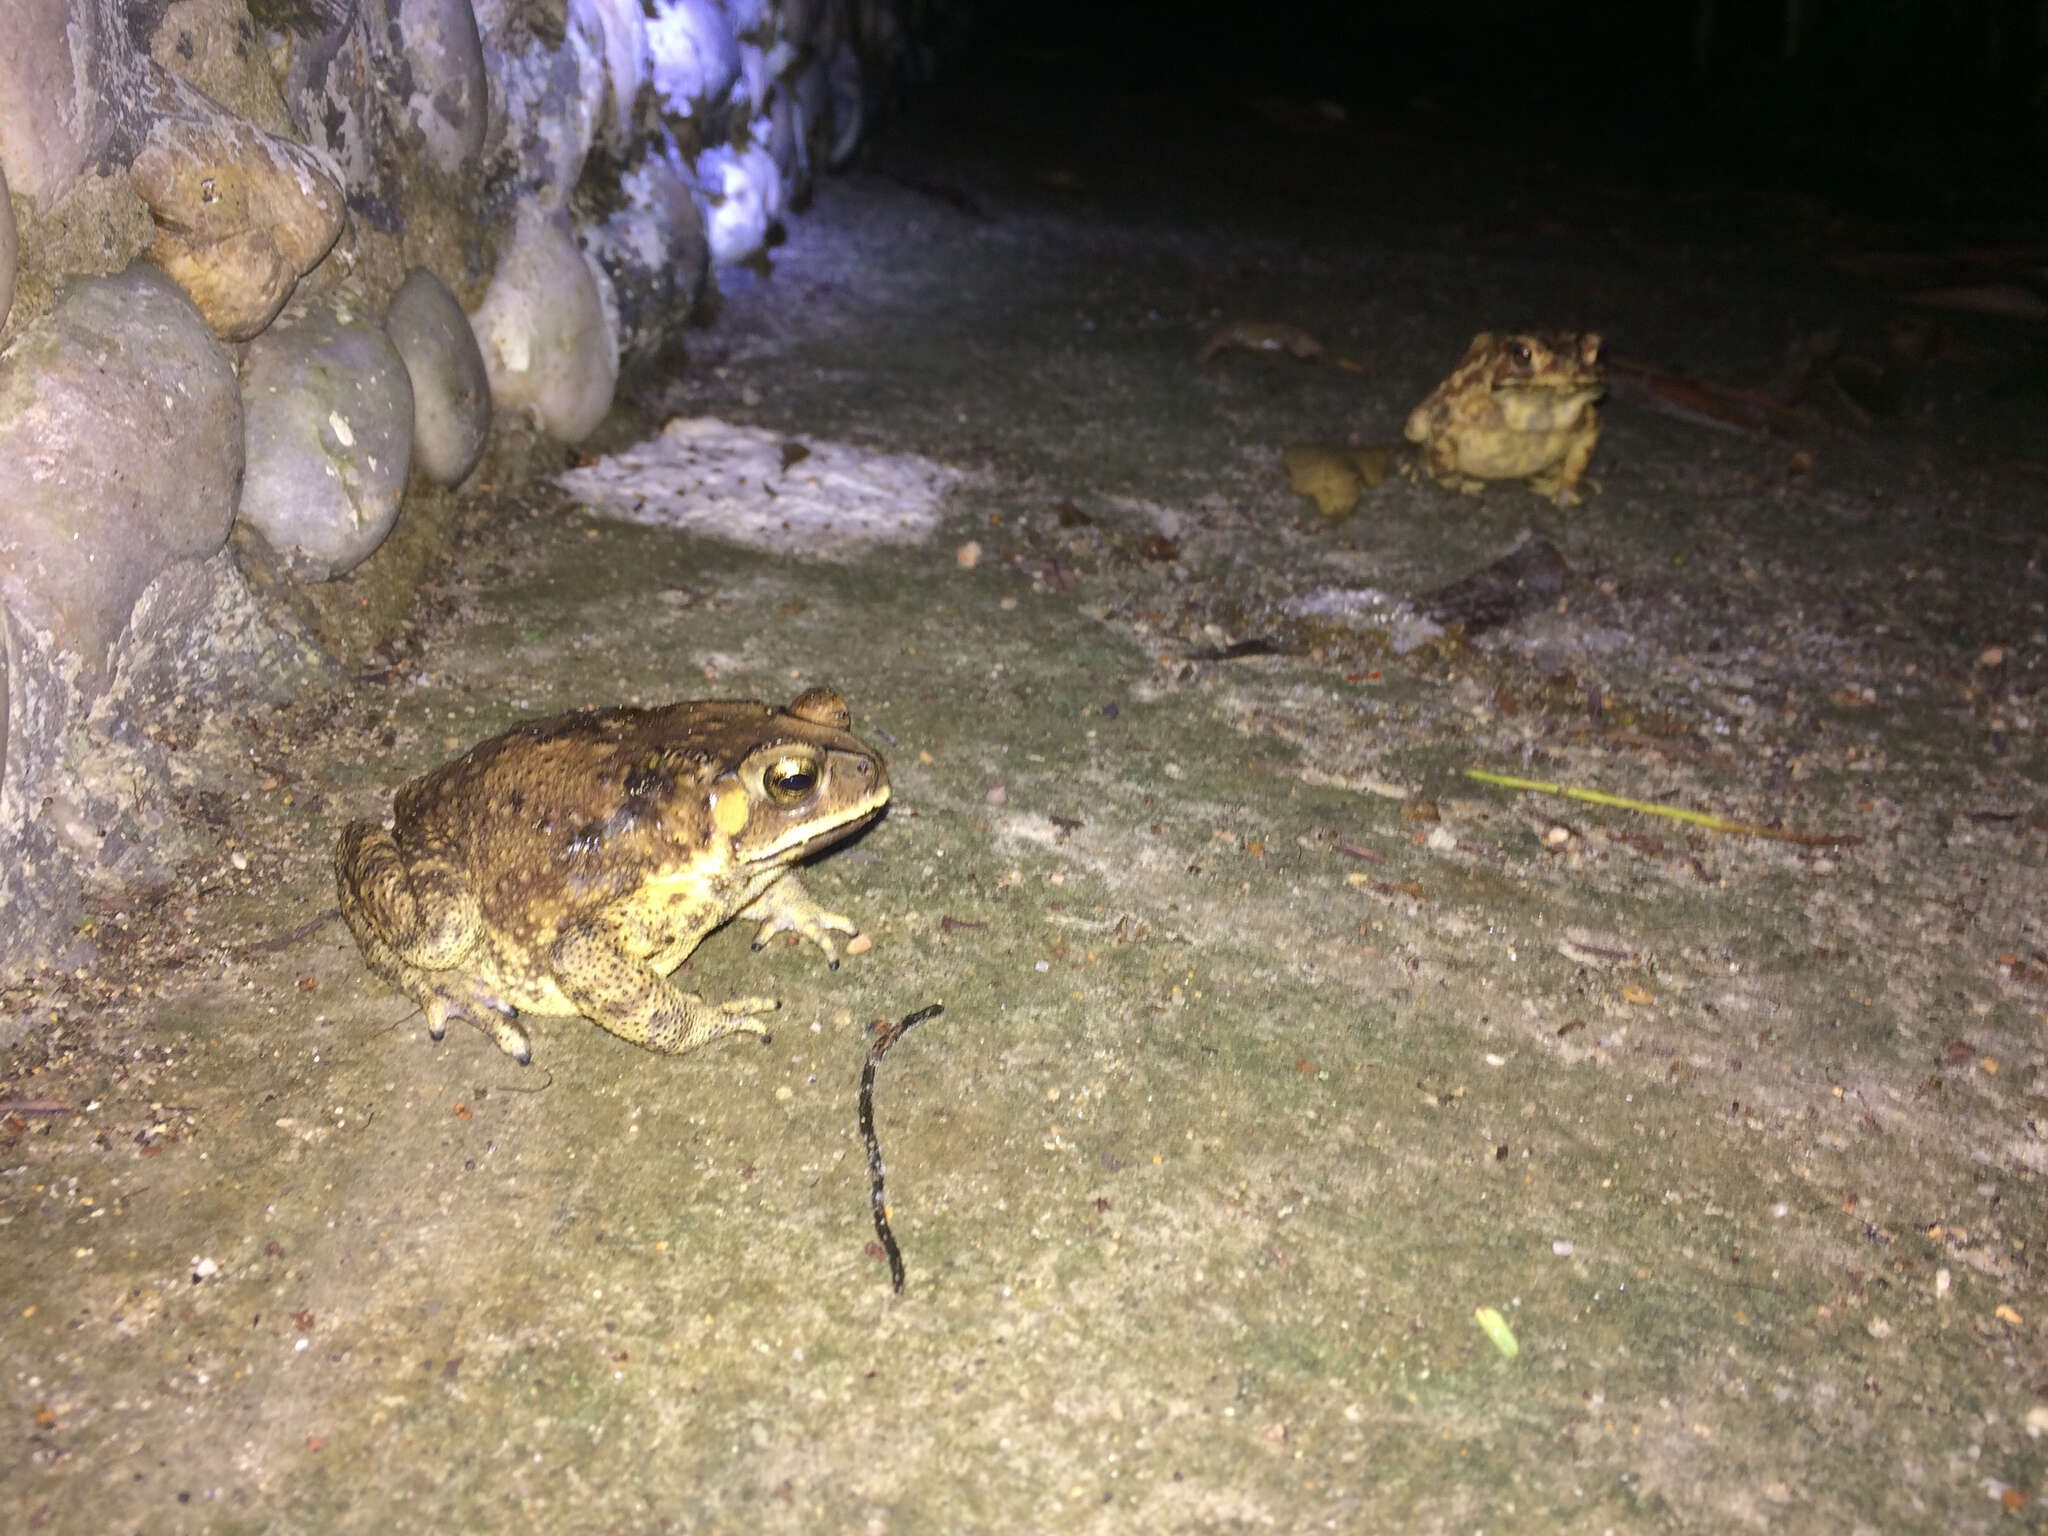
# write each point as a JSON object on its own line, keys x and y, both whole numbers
{"x": 2021, "y": 971}
{"x": 1262, "y": 336}
{"x": 1695, "y": 400}
{"x": 1159, "y": 549}
{"x": 2011, "y": 301}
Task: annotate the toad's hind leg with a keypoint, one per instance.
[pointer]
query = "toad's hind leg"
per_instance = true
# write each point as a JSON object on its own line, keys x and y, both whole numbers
{"x": 412, "y": 929}
{"x": 426, "y": 916}
{"x": 445, "y": 995}
{"x": 1442, "y": 462}
{"x": 619, "y": 991}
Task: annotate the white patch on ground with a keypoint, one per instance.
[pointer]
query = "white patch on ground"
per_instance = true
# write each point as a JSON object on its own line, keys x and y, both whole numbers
{"x": 794, "y": 495}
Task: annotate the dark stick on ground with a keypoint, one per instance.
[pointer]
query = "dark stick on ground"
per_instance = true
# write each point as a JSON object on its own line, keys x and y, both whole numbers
{"x": 885, "y": 1035}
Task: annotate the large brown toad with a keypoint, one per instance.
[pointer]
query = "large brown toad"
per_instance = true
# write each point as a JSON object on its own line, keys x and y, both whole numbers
{"x": 1515, "y": 408}
{"x": 570, "y": 864}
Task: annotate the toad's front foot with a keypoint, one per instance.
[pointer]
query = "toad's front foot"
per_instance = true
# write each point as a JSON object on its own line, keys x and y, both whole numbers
{"x": 785, "y": 907}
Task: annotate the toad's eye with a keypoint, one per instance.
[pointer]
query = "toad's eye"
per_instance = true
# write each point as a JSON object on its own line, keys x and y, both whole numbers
{"x": 789, "y": 779}
{"x": 1518, "y": 353}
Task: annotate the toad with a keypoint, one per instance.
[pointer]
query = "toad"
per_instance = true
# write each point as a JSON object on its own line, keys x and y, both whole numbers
{"x": 1517, "y": 407}
{"x": 569, "y": 865}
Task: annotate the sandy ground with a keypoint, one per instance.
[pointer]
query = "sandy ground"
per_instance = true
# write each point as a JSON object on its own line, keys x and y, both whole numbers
{"x": 1274, "y": 1046}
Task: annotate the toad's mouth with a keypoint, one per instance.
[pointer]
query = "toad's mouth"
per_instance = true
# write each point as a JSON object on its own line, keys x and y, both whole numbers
{"x": 801, "y": 842}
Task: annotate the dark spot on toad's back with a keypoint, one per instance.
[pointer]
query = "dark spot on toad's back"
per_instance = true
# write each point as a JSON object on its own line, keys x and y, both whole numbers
{"x": 649, "y": 780}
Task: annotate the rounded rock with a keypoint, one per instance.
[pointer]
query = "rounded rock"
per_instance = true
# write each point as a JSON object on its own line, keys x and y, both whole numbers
{"x": 447, "y": 102}
{"x": 9, "y": 250}
{"x": 451, "y": 393}
{"x": 696, "y": 58}
{"x": 241, "y": 214}
{"x": 120, "y": 450}
{"x": 849, "y": 99}
{"x": 654, "y": 251}
{"x": 69, "y": 76}
{"x": 789, "y": 143}
{"x": 619, "y": 29}
{"x": 743, "y": 192}
{"x": 329, "y": 87}
{"x": 553, "y": 97}
{"x": 548, "y": 335}
{"x": 796, "y": 23}
{"x": 6, "y": 695}
{"x": 328, "y": 410}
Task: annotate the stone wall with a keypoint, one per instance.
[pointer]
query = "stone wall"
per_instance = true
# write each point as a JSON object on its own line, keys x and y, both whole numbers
{"x": 275, "y": 275}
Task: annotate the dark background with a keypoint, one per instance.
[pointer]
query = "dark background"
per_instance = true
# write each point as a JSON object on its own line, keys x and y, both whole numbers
{"x": 1934, "y": 112}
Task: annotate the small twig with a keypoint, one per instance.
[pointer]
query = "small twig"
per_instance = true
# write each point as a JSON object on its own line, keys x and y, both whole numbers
{"x": 34, "y": 1107}
{"x": 287, "y": 940}
{"x": 1237, "y": 650}
{"x": 885, "y": 1035}
{"x": 537, "y": 1088}
{"x": 1354, "y": 851}
{"x": 1674, "y": 812}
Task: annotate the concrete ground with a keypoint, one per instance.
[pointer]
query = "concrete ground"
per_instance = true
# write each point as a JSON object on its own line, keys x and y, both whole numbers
{"x": 1275, "y": 1047}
